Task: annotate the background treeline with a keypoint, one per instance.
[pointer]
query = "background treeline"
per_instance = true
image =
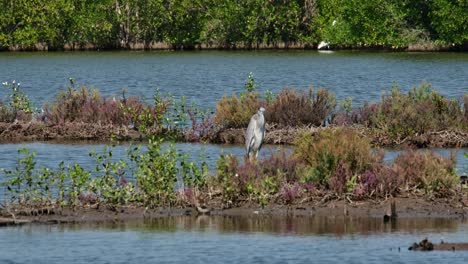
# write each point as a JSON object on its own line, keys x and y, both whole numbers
{"x": 151, "y": 24}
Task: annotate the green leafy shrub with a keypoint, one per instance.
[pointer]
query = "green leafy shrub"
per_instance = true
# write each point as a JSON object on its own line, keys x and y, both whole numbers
{"x": 156, "y": 174}
{"x": 151, "y": 178}
{"x": 326, "y": 150}
{"x": 19, "y": 106}
{"x": 258, "y": 181}
{"x": 421, "y": 110}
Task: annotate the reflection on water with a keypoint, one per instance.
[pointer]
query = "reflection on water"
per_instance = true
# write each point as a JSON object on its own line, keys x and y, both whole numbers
{"x": 290, "y": 225}
{"x": 253, "y": 239}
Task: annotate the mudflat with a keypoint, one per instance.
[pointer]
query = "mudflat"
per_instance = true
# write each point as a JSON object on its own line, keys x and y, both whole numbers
{"x": 405, "y": 207}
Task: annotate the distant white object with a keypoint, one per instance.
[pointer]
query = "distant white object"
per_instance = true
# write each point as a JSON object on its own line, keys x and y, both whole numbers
{"x": 323, "y": 44}
{"x": 334, "y": 22}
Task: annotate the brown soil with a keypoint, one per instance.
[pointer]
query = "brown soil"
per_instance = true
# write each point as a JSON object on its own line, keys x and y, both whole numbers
{"x": 286, "y": 135}
{"x": 36, "y": 130}
{"x": 413, "y": 207}
{"x": 451, "y": 246}
{"x": 30, "y": 131}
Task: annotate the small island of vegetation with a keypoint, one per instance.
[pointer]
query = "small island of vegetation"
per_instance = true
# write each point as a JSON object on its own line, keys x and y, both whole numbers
{"x": 334, "y": 163}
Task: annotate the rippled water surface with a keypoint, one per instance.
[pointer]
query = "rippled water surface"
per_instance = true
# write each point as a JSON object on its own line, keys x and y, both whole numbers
{"x": 204, "y": 77}
{"x": 233, "y": 240}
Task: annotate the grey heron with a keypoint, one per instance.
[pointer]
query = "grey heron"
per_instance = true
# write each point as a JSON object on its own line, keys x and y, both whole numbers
{"x": 255, "y": 134}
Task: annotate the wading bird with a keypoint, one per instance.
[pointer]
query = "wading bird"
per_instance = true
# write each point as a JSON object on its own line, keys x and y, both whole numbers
{"x": 255, "y": 134}
{"x": 323, "y": 44}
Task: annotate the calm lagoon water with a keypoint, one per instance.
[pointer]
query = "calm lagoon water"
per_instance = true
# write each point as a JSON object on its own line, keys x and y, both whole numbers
{"x": 246, "y": 239}
{"x": 205, "y": 76}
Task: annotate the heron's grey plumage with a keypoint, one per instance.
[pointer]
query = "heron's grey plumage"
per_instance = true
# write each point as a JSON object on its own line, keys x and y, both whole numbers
{"x": 255, "y": 134}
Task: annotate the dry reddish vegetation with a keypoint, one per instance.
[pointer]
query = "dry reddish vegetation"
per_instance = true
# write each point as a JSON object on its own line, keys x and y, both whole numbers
{"x": 84, "y": 114}
{"x": 336, "y": 163}
{"x": 288, "y": 108}
{"x": 421, "y": 118}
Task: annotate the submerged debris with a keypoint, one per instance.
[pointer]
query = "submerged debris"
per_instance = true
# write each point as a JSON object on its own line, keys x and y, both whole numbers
{"x": 424, "y": 245}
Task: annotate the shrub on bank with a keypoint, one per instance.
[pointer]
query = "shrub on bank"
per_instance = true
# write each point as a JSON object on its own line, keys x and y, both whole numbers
{"x": 465, "y": 106}
{"x": 421, "y": 110}
{"x": 235, "y": 112}
{"x": 400, "y": 115}
{"x": 331, "y": 153}
{"x": 5, "y": 113}
{"x": 294, "y": 108}
{"x": 19, "y": 107}
{"x": 147, "y": 178}
{"x": 288, "y": 108}
{"x": 88, "y": 106}
{"x": 256, "y": 181}
{"x": 339, "y": 162}
{"x": 427, "y": 171}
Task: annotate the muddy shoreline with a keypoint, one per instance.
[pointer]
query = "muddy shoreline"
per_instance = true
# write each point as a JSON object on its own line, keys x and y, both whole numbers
{"x": 406, "y": 207}
{"x": 39, "y": 131}
{"x": 429, "y": 46}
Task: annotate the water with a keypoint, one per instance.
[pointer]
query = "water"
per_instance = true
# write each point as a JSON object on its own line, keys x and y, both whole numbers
{"x": 49, "y": 154}
{"x": 204, "y": 77}
{"x": 233, "y": 240}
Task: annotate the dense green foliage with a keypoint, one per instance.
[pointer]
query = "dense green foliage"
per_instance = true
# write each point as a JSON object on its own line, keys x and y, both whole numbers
{"x": 75, "y": 24}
